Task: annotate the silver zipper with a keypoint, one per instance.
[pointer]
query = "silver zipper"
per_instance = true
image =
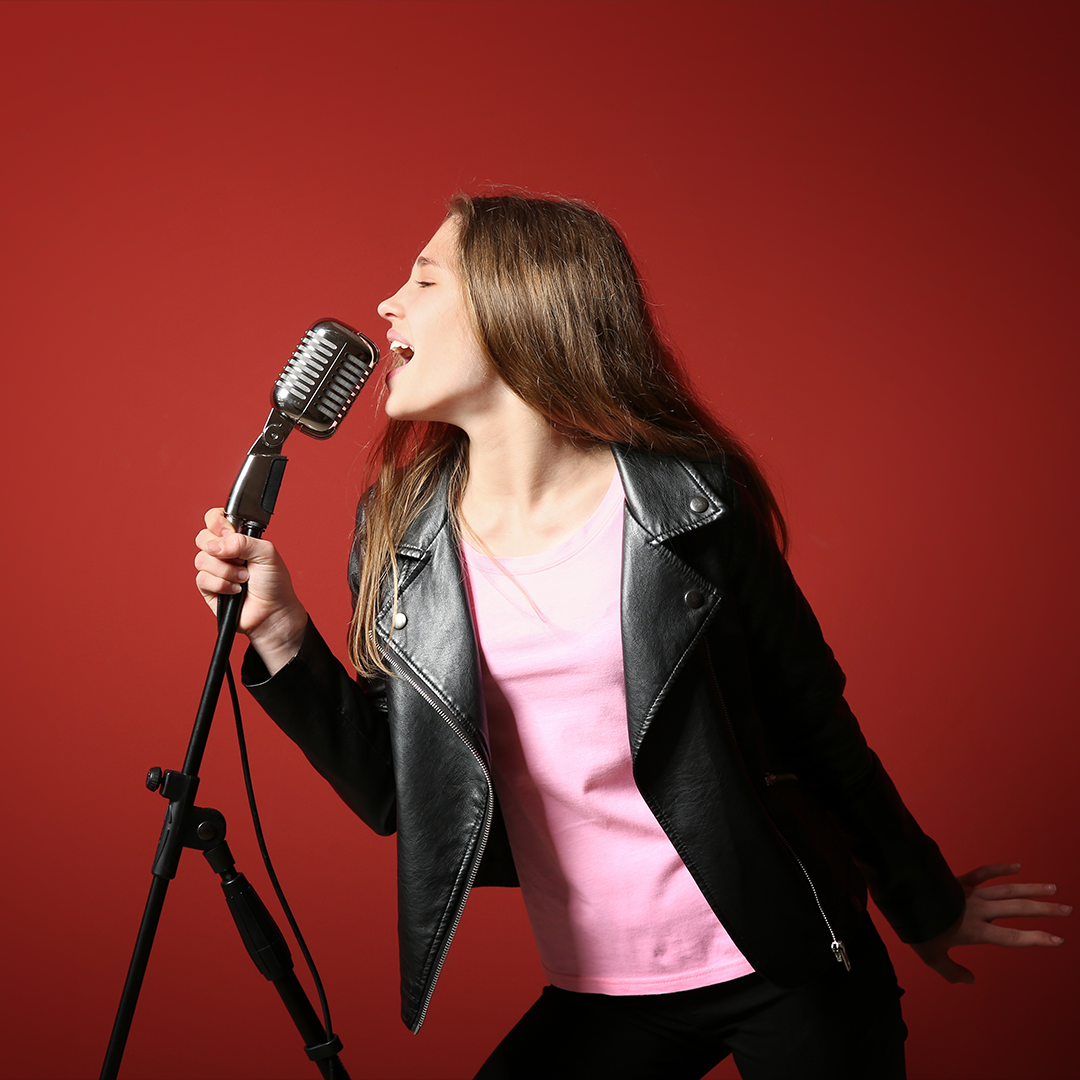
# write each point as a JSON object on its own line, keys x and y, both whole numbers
{"x": 838, "y": 949}
{"x": 488, "y": 814}
{"x": 839, "y": 952}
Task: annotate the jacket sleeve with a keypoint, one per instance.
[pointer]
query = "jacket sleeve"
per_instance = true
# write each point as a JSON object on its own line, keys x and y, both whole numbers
{"x": 339, "y": 722}
{"x": 798, "y": 690}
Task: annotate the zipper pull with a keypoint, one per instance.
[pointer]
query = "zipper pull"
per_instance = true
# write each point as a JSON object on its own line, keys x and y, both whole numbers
{"x": 840, "y": 953}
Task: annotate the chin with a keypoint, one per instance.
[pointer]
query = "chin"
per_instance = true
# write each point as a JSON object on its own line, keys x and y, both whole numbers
{"x": 399, "y": 410}
{"x": 395, "y": 406}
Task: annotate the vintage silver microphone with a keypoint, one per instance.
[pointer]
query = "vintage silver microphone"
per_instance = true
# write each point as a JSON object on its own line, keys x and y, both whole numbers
{"x": 314, "y": 392}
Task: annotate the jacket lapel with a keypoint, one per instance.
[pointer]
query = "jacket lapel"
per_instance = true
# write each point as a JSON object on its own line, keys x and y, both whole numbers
{"x": 666, "y": 602}
{"x": 433, "y": 635}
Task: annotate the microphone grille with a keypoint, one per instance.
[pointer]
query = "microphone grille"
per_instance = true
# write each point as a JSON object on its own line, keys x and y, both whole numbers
{"x": 326, "y": 372}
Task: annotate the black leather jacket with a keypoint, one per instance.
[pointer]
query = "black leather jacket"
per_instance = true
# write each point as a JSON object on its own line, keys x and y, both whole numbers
{"x": 742, "y": 744}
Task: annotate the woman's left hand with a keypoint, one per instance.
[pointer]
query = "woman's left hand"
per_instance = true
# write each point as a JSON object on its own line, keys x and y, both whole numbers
{"x": 985, "y": 903}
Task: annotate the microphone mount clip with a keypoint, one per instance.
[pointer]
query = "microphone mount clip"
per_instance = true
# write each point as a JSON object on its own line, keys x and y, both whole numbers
{"x": 254, "y": 494}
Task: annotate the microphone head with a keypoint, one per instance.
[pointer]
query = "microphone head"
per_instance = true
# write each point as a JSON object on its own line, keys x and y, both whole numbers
{"x": 321, "y": 381}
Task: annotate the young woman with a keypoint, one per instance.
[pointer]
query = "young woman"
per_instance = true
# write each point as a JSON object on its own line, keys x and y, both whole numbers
{"x": 584, "y": 667}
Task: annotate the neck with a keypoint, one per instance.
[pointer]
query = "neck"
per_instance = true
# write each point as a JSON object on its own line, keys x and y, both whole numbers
{"x": 530, "y": 487}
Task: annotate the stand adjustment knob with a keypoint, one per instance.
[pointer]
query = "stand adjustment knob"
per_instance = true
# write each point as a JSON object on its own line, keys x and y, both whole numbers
{"x": 153, "y": 778}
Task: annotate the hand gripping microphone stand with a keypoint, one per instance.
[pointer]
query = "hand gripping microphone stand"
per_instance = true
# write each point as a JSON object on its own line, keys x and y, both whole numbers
{"x": 315, "y": 391}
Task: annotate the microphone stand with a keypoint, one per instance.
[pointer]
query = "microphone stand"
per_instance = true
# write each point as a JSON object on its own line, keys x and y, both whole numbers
{"x": 187, "y": 825}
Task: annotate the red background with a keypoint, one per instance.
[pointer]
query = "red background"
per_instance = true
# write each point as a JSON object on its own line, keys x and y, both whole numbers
{"x": 859, "y": 223}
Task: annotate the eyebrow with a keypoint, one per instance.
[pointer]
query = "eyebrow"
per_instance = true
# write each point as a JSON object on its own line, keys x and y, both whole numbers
{"x": 423, "y": 260}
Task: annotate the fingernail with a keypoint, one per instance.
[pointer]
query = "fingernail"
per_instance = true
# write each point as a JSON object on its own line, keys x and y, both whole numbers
{"x": 1057, "y": 940}
{"x": 1051, "y": 888}
{"x": 1067, "y": 908}
{"x": 214, "y": 547}
{"x": 242, "y": 575}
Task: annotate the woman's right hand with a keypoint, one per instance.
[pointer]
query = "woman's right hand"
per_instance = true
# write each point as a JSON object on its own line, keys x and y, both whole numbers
{"x": 272, "y": 617}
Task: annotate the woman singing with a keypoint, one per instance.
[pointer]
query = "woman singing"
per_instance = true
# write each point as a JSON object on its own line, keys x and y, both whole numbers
{"x": 585, "y": 668}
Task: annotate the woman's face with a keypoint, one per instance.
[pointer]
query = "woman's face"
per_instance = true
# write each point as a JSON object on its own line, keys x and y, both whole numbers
{"x": 438, "y": 372}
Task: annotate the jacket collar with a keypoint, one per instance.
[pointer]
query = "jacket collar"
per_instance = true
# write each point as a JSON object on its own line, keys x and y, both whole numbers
{"x": 661, "y": 491}
{"x": 432, "y": 519}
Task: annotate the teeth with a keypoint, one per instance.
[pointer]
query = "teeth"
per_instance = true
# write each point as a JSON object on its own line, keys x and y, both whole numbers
{"x": 402, "y": 353}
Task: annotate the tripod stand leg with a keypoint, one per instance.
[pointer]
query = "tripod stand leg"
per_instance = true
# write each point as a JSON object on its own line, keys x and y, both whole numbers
{"x": 136, "y": 971}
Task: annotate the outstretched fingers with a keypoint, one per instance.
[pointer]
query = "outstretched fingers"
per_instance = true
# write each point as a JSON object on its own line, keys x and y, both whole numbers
{"x": 984, "y": 905}
{"x": 983, "y": 910}
{"x": 1012, "y": 900}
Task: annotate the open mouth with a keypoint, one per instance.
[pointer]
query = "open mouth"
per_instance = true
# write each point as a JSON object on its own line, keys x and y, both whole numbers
{"x": 402, "y": 353}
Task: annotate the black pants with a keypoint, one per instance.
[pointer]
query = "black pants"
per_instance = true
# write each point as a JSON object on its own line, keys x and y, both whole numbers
{"x": 844, "y": 1026}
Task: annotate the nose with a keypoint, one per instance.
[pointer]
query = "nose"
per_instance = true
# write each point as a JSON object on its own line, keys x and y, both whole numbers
{"x": 390, "y": 308}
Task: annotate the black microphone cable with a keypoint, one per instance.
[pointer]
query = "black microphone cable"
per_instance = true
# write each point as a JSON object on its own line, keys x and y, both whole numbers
{"x": 245, "y": 766}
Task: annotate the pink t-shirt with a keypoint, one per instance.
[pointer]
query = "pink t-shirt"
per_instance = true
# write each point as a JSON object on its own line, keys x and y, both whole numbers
{"x": 612, "y": 906}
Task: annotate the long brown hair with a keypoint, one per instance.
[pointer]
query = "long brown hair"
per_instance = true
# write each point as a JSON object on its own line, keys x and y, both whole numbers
{"x": 561, "y": 314}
